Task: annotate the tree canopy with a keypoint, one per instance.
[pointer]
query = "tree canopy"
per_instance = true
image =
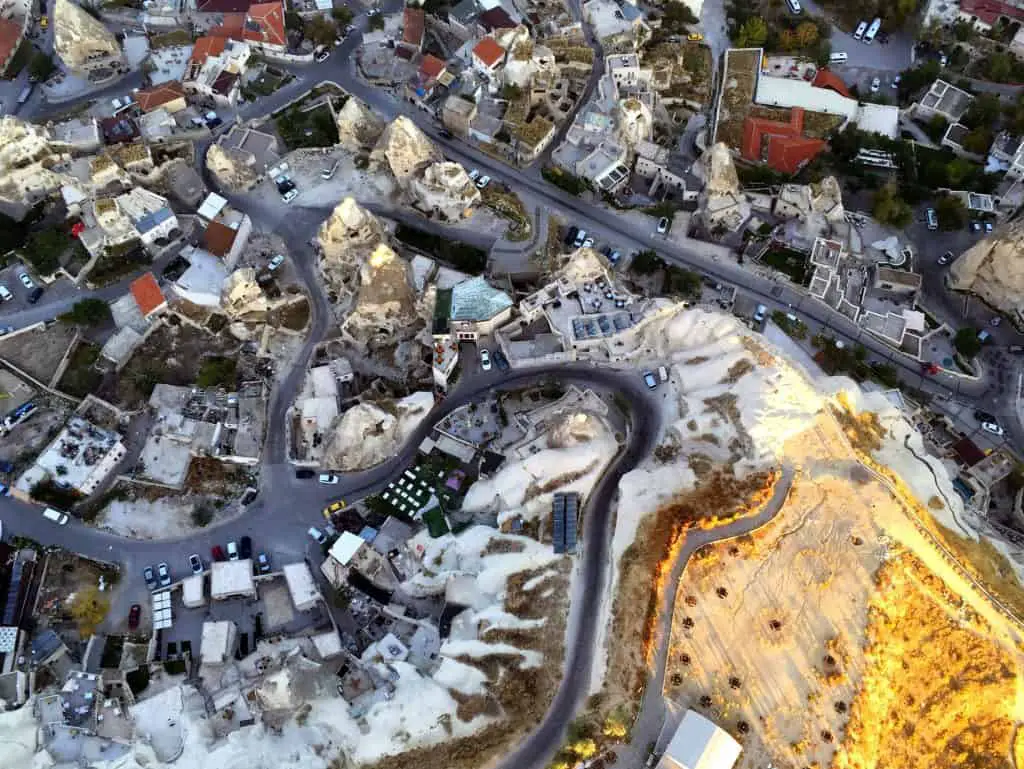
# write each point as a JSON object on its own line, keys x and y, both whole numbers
{"x": 88, "y": 312}
{"x": 889, "y": 208}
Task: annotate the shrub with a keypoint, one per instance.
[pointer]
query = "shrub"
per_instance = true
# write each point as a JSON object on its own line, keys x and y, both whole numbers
{"x": 217, "y": 371}
{"x": 967, "y": 343}
{"x": 87, "y": 312}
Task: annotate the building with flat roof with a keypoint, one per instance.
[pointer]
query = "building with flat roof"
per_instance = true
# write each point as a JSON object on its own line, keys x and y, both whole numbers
{"x": 471, "y": 309}
{"x": 699, "y": 744}
{"x": 301, "y": 586}
{"x": 945, "y": 100}
{"x": 232, "y": 579}
{"x": 218, "y": 641}
{"x": 81, "y": 457}
{"x": 192, "y": 591}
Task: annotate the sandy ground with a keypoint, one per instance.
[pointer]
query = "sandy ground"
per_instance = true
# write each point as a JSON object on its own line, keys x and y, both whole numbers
{"x": 770, "y": 629}
{"x": 164, "y": 518}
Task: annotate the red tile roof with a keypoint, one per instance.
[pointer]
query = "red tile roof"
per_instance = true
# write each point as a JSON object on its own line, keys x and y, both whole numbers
{"x": 989, "y": 11}
{"x": 828, "y": 79}
{"x": 968, "y": 452}
{"x": 265, "y": 24}
{"x": 218, "y": 238}
{"x": 431, "y": 66}
{"x": 412, "y": 27}
{"x": 489, "y": 52}
{"x": 10, "y": 36}
{"x": 148, "y": 295}
{"x": 205, "y": 47}
{"x": 158, "y": 95}
{"x": 782, "y": 145}
{"x": 496, "y": 18}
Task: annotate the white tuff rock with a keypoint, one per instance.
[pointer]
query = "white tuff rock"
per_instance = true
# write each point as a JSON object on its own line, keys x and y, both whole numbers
{"x": 358, "y": 127}
{"x": 993, "y": 269}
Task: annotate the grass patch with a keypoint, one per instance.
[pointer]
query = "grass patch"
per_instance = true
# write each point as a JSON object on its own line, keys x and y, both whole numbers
{"x": 787, "y": 261}
{"x": 509, "y": 206}
{"x": 81, "y": 377}
{"x": 434, "y": 519}
{"x": 574, "y": 185}
{"x": 462, "y": 256}
{"x": 168, "y": 39}
{"x": 21, "y": 59}
{"x": 119, "y": 262}
{"x": 264, "y": 85}
{"x": 315, "y": 128}
{"x": 218, "y": 371}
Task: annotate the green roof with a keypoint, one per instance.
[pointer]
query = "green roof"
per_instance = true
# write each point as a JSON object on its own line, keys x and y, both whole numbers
{"x": 476, "y": 299}
{"x": 442, "y": 309}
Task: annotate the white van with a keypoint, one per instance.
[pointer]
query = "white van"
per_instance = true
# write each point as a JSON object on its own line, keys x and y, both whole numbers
{"x": 872, "y": 31}
{"x": 56, "y": 516}
{"x": 932, "y": 218}
{"x": 839, "y": 57}
{"x": 794, "y": 6}
{"x": 662, "y": 373}
{"x": 861, "y": 29}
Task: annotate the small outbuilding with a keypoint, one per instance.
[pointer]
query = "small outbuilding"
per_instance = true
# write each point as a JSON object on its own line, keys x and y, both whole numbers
{"x": 301, "y": 586}
{"x": 192, "y": 591}
{"x": 232, "y": 579}
{"x": 700, "y": 744}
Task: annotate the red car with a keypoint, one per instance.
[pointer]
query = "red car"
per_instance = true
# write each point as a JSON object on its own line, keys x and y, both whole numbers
{"x": 133, "y": 616}
{"x": 218, "y": 553}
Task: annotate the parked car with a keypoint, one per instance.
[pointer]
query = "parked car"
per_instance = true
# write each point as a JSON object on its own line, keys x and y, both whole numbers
{"x": 444, "y": 133}
{"x": 485, "y": 359}
{"x": 217, "y": 553}
{"x": 588, "y": 243}
{"x": 650, "y": 380}
{"x": 695, "y": 37}
{"x": 329, "y": 478}
{"x": 474, "y": 175}
{"x": 246, "y": 547}
{"x": 5, "y": 330}
{"x": 570, "y": 236}
{"x": 760, "y": 313}
{"x": 322, "y": 54}
{"x": 984, "y": 416}
{"x": 5, "y": 490}
{"x": 992, "y": 427}
{"x": 163, "y": 571}
{"x": 995, "y": 321}
{"x": 150, "y": 576}
{"x": 304, "y": 472}
{"x": 483, "y": 181}
{"x": 946, "y": 258}
{"x": 328, "y": 173}
{"x": 195, "y": 563}
{"x": 975, "y": 226}
{"x": 262, "y": 563}
{"x": 876, "y": 83}
{"x": 5, "y": 293}
{"x": 26, "y": 281}
{"x": 581, "y": 237}
{"x": 500, "y": 360}
{"x": 663, "y": 225}
{"x": 332, "y": 508}
{"x": 988, "y": 226}
{"x": 34, "y": 294}
{"x": 318, "y": 536}
{"x": 134, "y": 614}
{"x": 276, "y": 262}
{"x": 232, "y": 550}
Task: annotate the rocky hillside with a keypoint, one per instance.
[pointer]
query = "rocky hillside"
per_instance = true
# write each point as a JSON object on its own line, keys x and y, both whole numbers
{"x": 993, "y": 268}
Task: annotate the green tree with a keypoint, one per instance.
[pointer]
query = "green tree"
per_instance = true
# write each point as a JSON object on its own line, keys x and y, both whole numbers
{"x": 675, "y": 17}
{"x": 321, "y": 30}
{"x": 889, "y": 208}
{"x": 999, "y": 67}
{"x": 342, "y": 16}
{"x": 646, "y": 262}
{"x": 44, "y": 249}
{"x": 41, "y": 66}
{"x": 983, "y": 112}
{"x": 293, "y": 21}
{"x": 967, "y": 343}
{"x": 376, "y": 23}
{"x": 978, "y": 140}
{"x": 958, "y": 170}
{"x": 807, "y": 33}
{"x": 752, "y": 33}
{"x": 87, "y": 312}
{"x": 936, "y": 128}
{"x": 217, "y": 371}
{"x": 952, "y": 213}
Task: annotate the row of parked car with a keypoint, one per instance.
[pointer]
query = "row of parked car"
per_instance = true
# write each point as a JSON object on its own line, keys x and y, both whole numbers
{"x": 233, "y": 551}
{"x": 34, "y": 291}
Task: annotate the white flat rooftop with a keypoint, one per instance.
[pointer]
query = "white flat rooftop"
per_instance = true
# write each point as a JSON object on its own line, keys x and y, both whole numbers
{"x": 231, "y": 578}
{"x": 346, "y": 546}
{"x": 212, "y": 206}
{"x": 791, "y": 92}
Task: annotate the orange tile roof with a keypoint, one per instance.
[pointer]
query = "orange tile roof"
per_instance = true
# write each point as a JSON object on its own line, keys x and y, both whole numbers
{"x": 781, "y": 145}
{"x": 10, "y": 36}
{"x": 412, "y": 26}
{"x": 218, "y": 238}
{"x": 205, "y": 47}
{"x": 158, "y": 95}
{"x": 431, "y": 66}
{"x": 147, "y": 293}
{"x": 828, "y": 79}
{"x": 489, "y": 52}
{"x": 265, "y": 24}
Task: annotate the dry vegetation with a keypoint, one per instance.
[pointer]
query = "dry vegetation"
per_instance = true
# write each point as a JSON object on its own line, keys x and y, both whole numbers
{"x": 738, "y": 83}
{"x": 521, "y": 695}
{"x": 937, "y": 691}
{"x": 649, "y": 560}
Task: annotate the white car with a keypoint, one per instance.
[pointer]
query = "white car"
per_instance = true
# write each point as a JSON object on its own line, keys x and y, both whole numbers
{"x": 290, "y": 195}
{"x": 663, "y": 225}
{"x": 473, "y": 175}
{"x": 483, "y": 181}
{"x": 875, "y": 85}
{"x": 485, "y": 360}
{"x": 329, "y": 478}
{"x": 588, "y": 243}
{"x": 276, "y": 262}
{"x": 316, "y": 535}
{"x": 5, "y": 294}
{"x": 26, "y": 281}
{"x": 946, "y": 258}
{"x": 992, "y": 427}
{"x": 232, "y": 550}
{"x": 322, "y": 54}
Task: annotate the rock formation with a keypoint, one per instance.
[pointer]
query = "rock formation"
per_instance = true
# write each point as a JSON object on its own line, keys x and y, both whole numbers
{"x": 83, "y": 43}
{"x": 230, "y": 168}
{"x": 26, "y": 163}
{"x": 444, "y": 189}
{"x": 368, "y": 434}
{"x": 636, "y": 123}
{"x": 358, "y": 127}
{"x": 385, "y": 310}
{"x": 993, "y": 269}
{"x": 241, "y": 295}
{"x": 346, "y": 239}
{"x": 404, "y": 150}
{"x": 721, "y": 204}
